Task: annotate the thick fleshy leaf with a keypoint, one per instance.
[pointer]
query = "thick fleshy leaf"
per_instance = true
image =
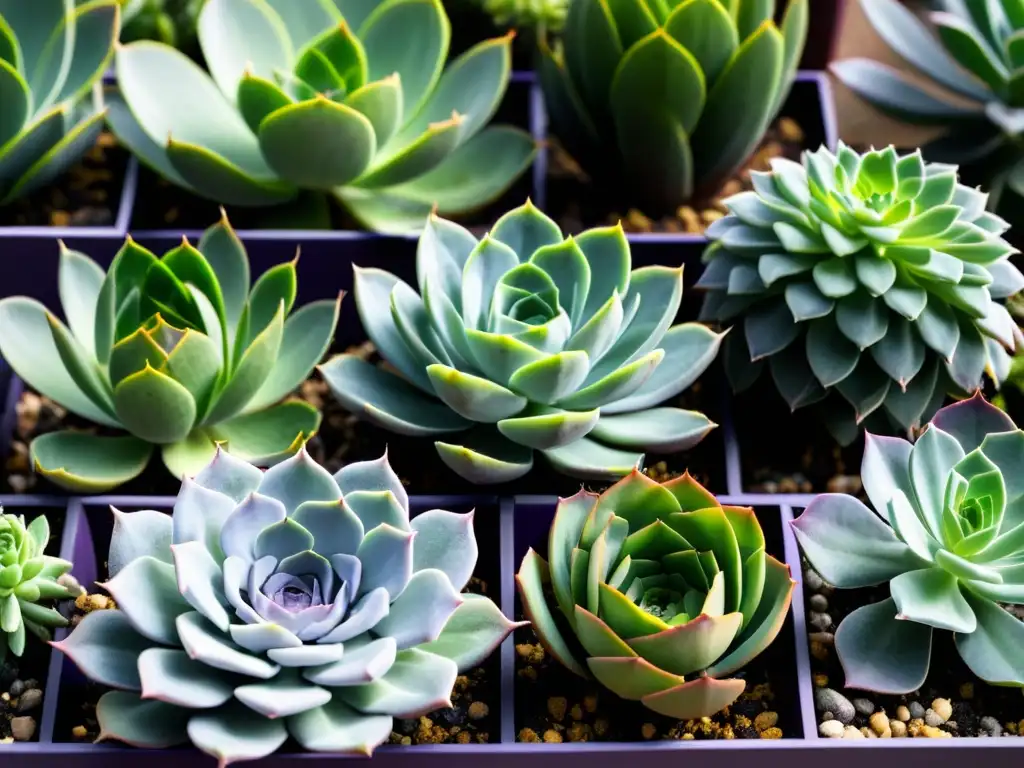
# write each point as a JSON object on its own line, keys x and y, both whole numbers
{"x": 932, "y": 596}
{"x": 660, "y": 430}
{"x": 297, "y": 480}
{"x": 138, "y": 534}
{"x": 989, "y": 650}
{"x": 903, "y": 669}
{"x": 243, "y": 525}
{"x": 339, "y": 729}
{"x": 697, "y": 698}
{"x": 205, "y": 643}
{"x": 445, "y": 541}
{"x": 106, "y": 648}
{"x": 139, "y": 723}
{"x": 886, "y": 470}
{"x": 88, "y": 463}
{"x": 386, "y": 553}
{"x": 485, "y": 456}
{"x": 472, "y": 633}
{"x": 263, "y": 438}
{"x": 170, "y": 676}
{"x": 146, "y": 592}
{"x": 282, "y": 696}
{"x": 473, "y": 397}
{"x": 421, "y": 611}
{"x": 231, "y": 734}
{"x": 200, "y": 581}
{"x": 417, "y": 682}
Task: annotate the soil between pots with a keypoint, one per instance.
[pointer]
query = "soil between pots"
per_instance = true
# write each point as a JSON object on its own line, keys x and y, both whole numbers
{"x": 951, "y": 703}
{"x": 88, "y": 195}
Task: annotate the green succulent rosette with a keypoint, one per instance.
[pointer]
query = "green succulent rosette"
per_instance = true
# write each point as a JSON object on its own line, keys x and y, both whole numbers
{"x": 870, "y": 284}
{"x": 285, "y": 603}
{"x": 52, "y": 54}
{"x": 528, "y": 14}
{"x": 29, "y": 580}
{"x": 660, "y": 590}
{"x": 527, "y": 340}
{"x": 669, "y": 97}
{"x": 178, "y": 351}
{"x": 302, "y": 96}
{"x": 946, "y": 531}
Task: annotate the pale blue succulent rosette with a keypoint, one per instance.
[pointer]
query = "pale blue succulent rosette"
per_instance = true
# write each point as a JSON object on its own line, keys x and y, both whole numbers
{"x": 946, "y": 533}
{"x": 284, "y": 603}
{"x": 527, "y": 340}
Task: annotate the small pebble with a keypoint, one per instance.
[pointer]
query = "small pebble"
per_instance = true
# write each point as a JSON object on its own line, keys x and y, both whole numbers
{"x": 79, "y": 732}
{"x": 552, "y": 736}
{"x": 648, "y": 731}
{"x": 812, "y": 580}
{"x": 23, "y": 728}
{"x": 825, "y": 638}
{"x": 766, "y": 720}
{"x": 821, "y": 621}
{"x": 818, "y": 603}
{"x": 867, "y": 733}
{"x": 903, "y": 714}
{"x": 898, "y": 728}
{"x": 771, "y": 733}
{"x": 29, "y": 700}
{"x": 831, "y": 729}
{"x": 852, "y": 732}
{"x": 529, "y": 736}
{"x": 916, "y": 710}
{"x": 17, "y": 688}
{"x": 880, "y": 725}
{"x": 864, "y": 706}
{"x": 829, "y": 700}
{"x": 933, "y": 718}
{"x": 991, "y": 726}
{"x": 932, "y": 732}
{"x": 557, "y": 705}
{"x": 943, "y": 708}
{"x": 478, "y": 710}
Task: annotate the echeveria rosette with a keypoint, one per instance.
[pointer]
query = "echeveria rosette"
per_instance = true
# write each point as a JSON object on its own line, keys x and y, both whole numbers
{"x": 179, "y": 351}
{"x": 660, "y": 590}
{"x": 285, "y": 602}
{"x": 969, "y": 53}
{"x": 52, "y": 54}
{"x": 946, "y": 532}
{"x": 871, "y": 283}
{"x": 300, "y": 98}
{"x": 28, "y": 580}
{"x": 527, "y": 340}
{"x": 669, "y": 97}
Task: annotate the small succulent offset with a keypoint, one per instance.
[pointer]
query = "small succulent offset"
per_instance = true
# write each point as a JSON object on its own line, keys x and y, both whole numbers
{"x": 871, "y": 283}
{"x": 946, "y": 533}
{"x": 669, "y": 96}
{"x": 667, "y": 592}
{"x": 52, "y": 53}
{"x": 28, "y": 578}
{"x": 528, "y": 14}
{"x": 172, "y": 22}
{"x": 300, "y": 98}
{"x": 527, "y": 340}
{"x": 177, "y": 351}
{"x": 283, "y": 603}
{"x": 975, "y": 56}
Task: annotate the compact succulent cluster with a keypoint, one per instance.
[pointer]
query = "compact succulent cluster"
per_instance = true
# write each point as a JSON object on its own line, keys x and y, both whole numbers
{"x": 527, "y": 340}
{"x": 670, "y": 97}
{"x": 946, "y": 533}
{"x": 52, "y": 54}
{"x": 283, "y": 603}
{"x": 664, "y": 591}
{"x": 29, "y": 579}
{"x": 172, "y": 22}
{"x": 546, "y": 14}
{"x": 973, "y": 58}
{"x": 299, "y": 97}
{"x": 178, "y": 351}
{"x": 872, "y": 283}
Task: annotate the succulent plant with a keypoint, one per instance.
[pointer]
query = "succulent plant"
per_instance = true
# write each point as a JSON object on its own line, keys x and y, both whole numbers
{"x": 28, "y": 580}
{"x": 172, "y": 22}
{"x": 283, "y": 603}
{"x": 52, "y": 53}
{"x": 869, "y": 282}
{"x": 946, "y": 533}
{"x": 662, "y": 591}
{"x": 971, "y": 56}
{"x": 669, "y": 97}
{"x": 527, "y": 340}
{"x": 177, "y": 351}
{"x": 546, "y": 14}
{"x": 300, "y": 98}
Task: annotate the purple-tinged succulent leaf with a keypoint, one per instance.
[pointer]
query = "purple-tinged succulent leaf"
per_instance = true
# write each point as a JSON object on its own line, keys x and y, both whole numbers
{"x": 140, "y": 723}
{"x": 971, "y": 420}
{"x": 418, "y": 682}
{"x": 339, "y": 729}
{"x": 170, "y": 676}
{"x": 146, "y": 532}
{"x": 232, "y": 733}
{"x": 106, "y": 648}
{"x": 445, "y": 541}
{"x": 146, "y": 593}
{"x": 904, "y": 665}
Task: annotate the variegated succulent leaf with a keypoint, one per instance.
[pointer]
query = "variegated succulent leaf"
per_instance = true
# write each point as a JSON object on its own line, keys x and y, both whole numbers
{"x": 658, "y": 591}
{"x": 669, "y": 99}
{"x": 285, "y": 602}
{"x": 181, "y": 351}
{"x": 946, "y": 531}
{"x": 528, "y": 340}
{"x": 300, "y": 98}
{"x": 52, "y": 54}
{"x": 29, "y": 583}
{"x": 872, "y": 283}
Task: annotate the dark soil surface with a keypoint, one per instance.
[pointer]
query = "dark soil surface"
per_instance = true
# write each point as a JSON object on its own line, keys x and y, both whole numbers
{"x": 951, "y": 703}
{"x": 87, "y": 195}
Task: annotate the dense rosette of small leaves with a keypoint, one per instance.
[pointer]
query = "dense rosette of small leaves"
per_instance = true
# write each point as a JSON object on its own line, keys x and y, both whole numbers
{"x": 178, "y": 351}
{"x": 526, "y": 14}
{"x": 871, "y": 282}
{"x": 528, "y": 340}
{"x": 660, "y": 589}
{"x": 284, "y": 603}
{"x": 28, "y": 580}
{"x": 52, "y": 55}
{"x": 669, "y": 97}
{"x": 970, "y": 50}
{"x": 947, "y": 533}
{"x": 321, "y": 96}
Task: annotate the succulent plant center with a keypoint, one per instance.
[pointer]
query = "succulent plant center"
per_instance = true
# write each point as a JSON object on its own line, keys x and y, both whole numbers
{"x": 294, "y": 593}
{"x": 666, "y": 603}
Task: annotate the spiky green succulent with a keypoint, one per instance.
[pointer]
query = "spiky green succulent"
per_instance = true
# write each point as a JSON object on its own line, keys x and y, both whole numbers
{"x": 871, "y": 283}
{"x": 973, "y": 56}
{"x": 528, "y": 14}
{"x": 52, "y": 54}
{"x": 669, "y": 97}
{"x": 28, "y": 581}
{"x": 178, "y": 351}
{"x": 300, "y": 97}
{"x": 285, "y": 603}
{"x": 172, "y": 22}
{"x": 946, "y": 533}
{"x": 660, "y": 589}
{"x": 527, "y": 340}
